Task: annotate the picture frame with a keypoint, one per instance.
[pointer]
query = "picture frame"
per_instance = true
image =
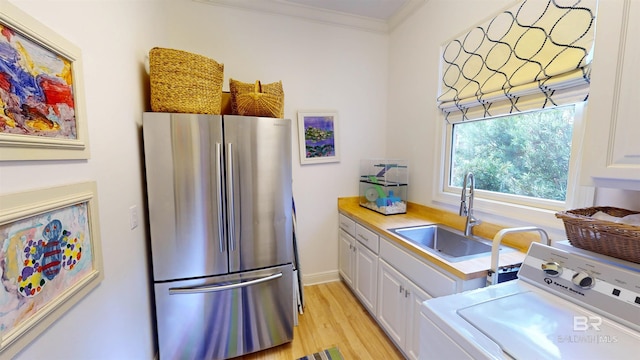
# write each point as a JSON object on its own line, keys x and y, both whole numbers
{"x": 51, "y": 258}
{"x": 42, "y": 93}
{"x": 318, "y": 135}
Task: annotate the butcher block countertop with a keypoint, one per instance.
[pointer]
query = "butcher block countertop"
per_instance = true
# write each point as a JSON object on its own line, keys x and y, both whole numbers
{"x": 421, "y": 215}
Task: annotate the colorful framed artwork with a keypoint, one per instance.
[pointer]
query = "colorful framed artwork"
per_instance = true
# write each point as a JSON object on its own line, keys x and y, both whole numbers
{"x": 50, "y": 258}
{"x": 318, "y": 137}
{"x": 41, "y": 91}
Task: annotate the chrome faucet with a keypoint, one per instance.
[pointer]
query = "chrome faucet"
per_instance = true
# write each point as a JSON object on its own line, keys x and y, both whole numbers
{"x": 468, "y": 210}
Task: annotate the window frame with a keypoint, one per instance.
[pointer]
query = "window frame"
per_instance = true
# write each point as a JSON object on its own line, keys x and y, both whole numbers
{"x": 515, "y": 208}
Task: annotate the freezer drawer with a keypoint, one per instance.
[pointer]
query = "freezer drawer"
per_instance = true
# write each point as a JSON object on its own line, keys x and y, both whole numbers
{"x": 225, "y": 316}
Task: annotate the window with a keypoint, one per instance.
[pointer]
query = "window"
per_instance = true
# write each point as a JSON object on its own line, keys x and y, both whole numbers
{"x": 512, "y": 93}
{"x": 523, "y": 158}
{"x": 525, "y": 154}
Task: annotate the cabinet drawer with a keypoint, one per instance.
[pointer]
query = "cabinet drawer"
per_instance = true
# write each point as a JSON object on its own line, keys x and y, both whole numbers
{"x": 425, "y": 276}
{"x": 367, "y": 237}
{"x": 347, "y": 225}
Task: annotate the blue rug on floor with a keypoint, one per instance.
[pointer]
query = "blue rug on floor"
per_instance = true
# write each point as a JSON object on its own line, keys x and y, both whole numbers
{"x": 328, "y": 354}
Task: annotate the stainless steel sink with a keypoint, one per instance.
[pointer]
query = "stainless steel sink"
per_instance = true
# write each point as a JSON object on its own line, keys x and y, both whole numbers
{"x": 447, "y": 242}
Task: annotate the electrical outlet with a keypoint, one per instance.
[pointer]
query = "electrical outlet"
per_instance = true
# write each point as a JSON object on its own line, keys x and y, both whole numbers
{"x": 133, "y": 216}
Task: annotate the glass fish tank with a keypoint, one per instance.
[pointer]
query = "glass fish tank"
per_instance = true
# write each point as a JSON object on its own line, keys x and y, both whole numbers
{"x": 383, "y": 186}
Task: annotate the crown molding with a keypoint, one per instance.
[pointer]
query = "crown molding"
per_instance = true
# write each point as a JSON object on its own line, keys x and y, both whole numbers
{"x": 410, "y": 7}
{"x": 283, "y": 7}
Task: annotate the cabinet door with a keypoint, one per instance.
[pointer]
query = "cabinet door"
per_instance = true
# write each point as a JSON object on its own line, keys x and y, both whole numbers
{"x": 611, "y": 155}
{"x": 346, "y": 257}
{"x": 391, "y": 302}
{"x": 416, "y": 297}
{"x": 366, "y": 277}
{"x": 624, "y": 146}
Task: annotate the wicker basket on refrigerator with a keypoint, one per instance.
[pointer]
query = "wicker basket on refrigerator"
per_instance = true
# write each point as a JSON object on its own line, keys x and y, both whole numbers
{"x": 257, "y": 99}
{"x": 183, "y": 82}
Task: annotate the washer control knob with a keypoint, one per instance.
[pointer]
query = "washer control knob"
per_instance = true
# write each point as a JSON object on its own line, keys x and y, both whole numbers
{"x": 552, "y": 269}
{"x": 584, "y": 280}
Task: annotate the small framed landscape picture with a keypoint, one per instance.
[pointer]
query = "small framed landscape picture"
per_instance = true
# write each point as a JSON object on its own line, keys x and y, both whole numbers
{"x": 318, "y": 137}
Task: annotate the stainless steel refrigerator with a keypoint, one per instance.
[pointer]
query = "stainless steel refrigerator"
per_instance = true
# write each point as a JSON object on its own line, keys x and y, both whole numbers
{"x": 220, "y": 203}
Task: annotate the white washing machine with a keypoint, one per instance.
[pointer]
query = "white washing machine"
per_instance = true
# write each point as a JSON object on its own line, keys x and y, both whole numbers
{"x": 564, "y": 305}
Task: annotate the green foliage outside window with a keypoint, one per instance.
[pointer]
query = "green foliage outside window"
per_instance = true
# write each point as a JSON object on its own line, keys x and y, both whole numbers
{"x": 525, "y": 154}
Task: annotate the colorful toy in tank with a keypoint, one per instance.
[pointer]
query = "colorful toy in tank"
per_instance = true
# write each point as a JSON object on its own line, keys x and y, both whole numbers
{"x": 387, "y": 201}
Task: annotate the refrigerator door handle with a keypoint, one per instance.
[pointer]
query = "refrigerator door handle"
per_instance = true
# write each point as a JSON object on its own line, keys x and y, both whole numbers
{"x": 230, "y": 201}
{"x": 219, "y": 195}
{"x": 213, "y": 288}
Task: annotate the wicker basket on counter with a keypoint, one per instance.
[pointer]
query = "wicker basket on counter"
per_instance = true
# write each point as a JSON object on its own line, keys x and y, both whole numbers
{"x": 618, "y": 240}
{"x": 183, "y": 82}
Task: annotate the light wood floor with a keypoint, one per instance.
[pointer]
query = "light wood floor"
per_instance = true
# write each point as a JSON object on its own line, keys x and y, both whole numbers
{"x": 333, "y": 317}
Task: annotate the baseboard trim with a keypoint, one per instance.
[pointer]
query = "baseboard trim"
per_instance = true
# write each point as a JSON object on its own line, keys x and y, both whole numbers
{"x": 319, "y": 278}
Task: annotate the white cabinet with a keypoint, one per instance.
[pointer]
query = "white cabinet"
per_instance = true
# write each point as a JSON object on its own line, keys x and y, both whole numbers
{"x": 347, "y": 224}
{"x": 413, "y": 338}
{"x": 346, "y": 259}
{"x": 367, "y": 237}
{"x": 358, "y": 261}
{"x": 399, "y": 301}
{"x": 611, "y": 153}
{"x": 405, "y": 281}
{"x": 391, "y": 297}
{"x": 391, "y": 282}
{"x": 366, "y": 277}
{"x": 347, "y": 250}
{"x": 427, "y": 277}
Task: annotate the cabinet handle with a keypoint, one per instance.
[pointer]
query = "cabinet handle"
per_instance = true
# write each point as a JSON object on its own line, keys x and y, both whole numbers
{"x": 406, "y": 293}
{"x": 363, "y": 237}
{"x": 401, "y": 289}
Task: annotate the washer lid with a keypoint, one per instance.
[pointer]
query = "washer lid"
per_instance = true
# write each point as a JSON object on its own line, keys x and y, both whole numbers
{"x": 530, "y": 325}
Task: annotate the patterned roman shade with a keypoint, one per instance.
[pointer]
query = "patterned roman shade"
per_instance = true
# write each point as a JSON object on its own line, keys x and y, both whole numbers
{"x": 533, "y": 55}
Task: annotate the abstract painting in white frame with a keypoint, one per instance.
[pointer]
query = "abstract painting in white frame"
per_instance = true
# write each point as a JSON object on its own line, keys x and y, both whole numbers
{"x": 318, "y": 137}
{"x": 41, "y": 91}
{"x": 50, "y": 258}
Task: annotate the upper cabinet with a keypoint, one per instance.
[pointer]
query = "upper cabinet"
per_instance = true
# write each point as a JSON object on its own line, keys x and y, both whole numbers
{"x": 611, "y": 150}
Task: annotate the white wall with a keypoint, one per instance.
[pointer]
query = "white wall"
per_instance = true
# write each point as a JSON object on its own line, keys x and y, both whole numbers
{"x": 321, "y": 67}
{"x": 625, "y": 199}
{"x": 115, "y": 320}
